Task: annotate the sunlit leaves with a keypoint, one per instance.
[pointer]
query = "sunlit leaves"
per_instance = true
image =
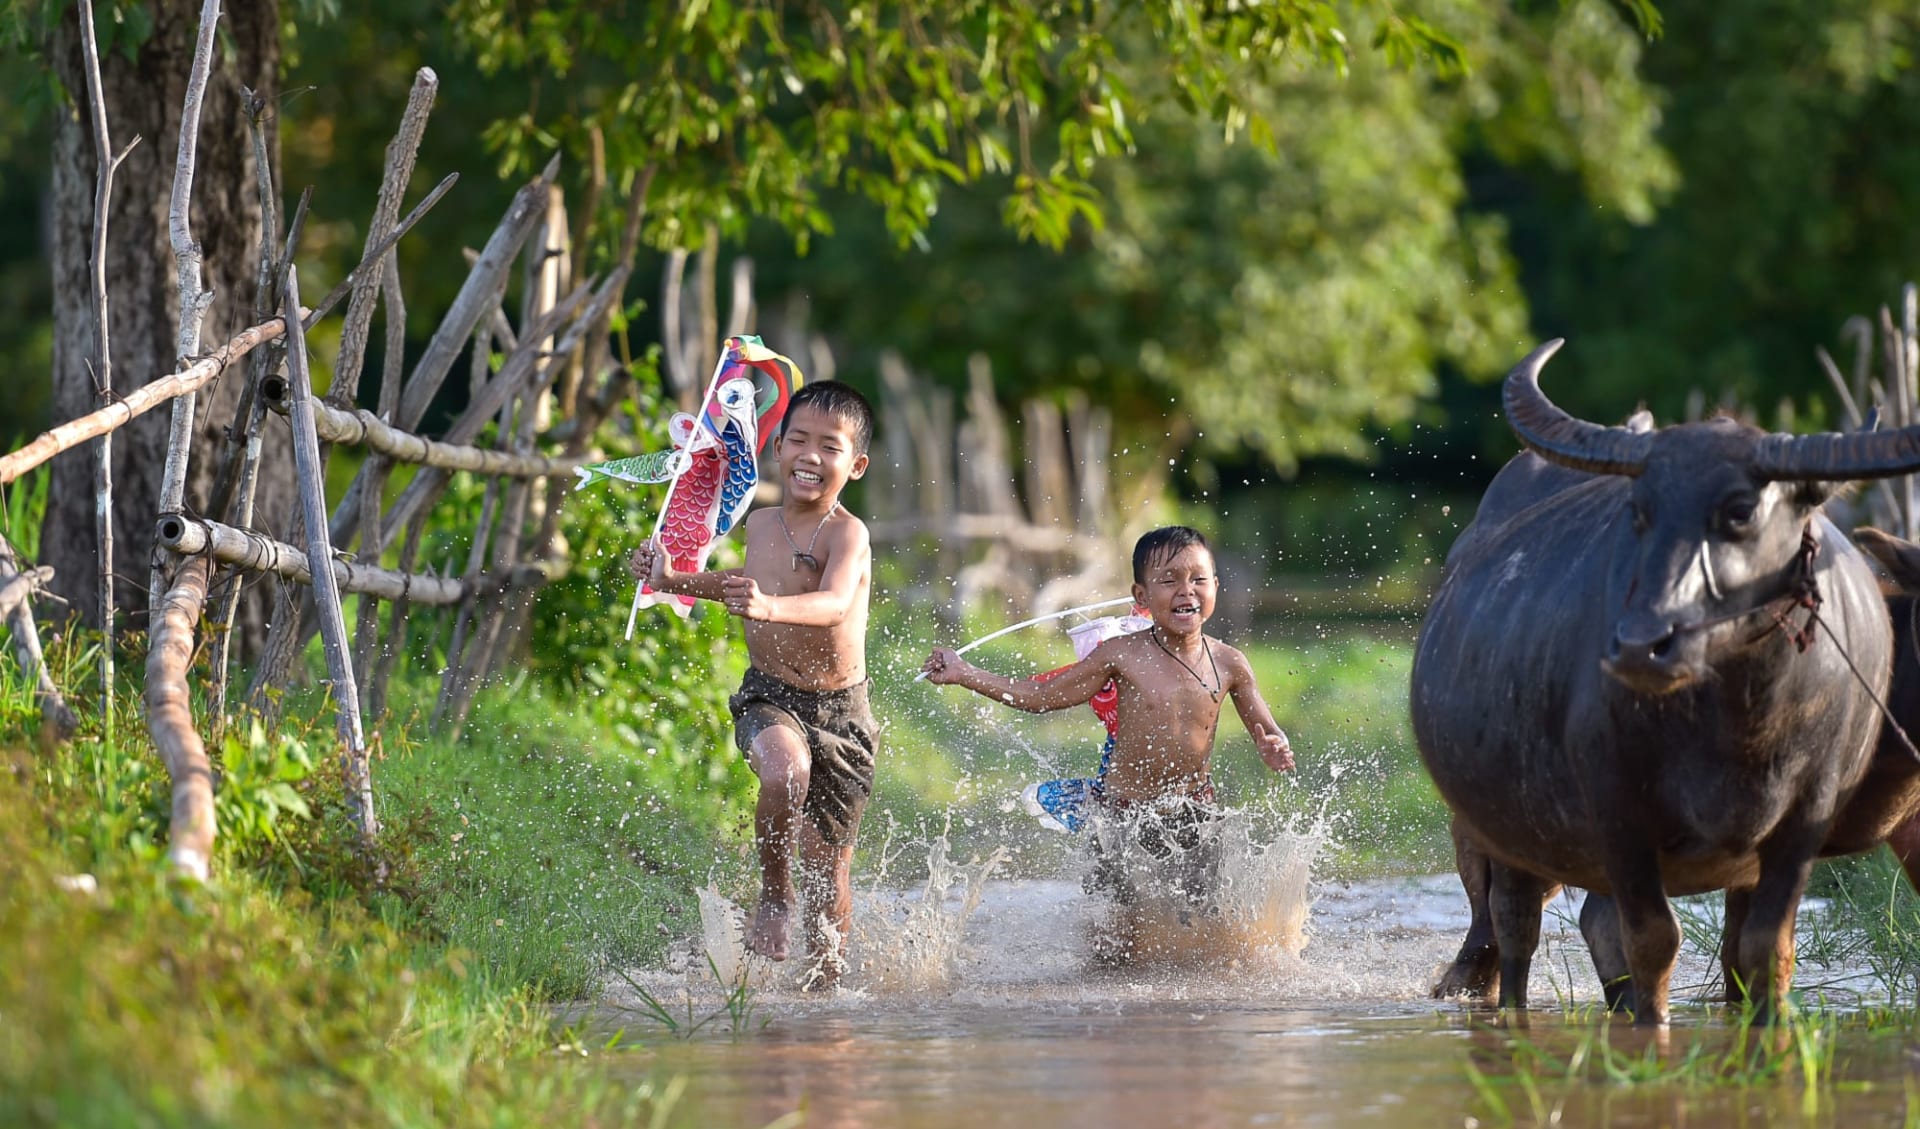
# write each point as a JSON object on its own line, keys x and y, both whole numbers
{"x": 750, "y": 108}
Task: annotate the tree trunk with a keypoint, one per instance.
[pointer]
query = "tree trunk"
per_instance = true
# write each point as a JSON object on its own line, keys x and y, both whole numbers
{"x": 144, "y": 96}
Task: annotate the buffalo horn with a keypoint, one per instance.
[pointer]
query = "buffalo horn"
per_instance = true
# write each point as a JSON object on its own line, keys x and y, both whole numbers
{"x": 1833, "y": 457}
{"x": 1560, "y": 438}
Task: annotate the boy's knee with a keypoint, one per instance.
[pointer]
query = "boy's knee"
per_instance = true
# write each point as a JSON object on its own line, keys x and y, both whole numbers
{"x": 780, "y": 759}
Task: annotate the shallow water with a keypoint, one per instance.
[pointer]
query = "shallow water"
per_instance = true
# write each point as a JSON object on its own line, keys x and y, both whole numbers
{"x": 977, "y": 1001}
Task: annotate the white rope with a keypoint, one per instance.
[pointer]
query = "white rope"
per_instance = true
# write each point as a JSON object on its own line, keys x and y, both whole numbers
{"x": 1030, "y": 622}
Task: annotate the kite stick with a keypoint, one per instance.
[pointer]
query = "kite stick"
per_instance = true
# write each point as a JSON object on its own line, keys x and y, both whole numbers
{"x": 1030, "y": 622}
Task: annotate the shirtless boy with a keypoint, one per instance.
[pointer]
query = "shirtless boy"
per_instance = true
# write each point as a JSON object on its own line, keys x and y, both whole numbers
{"x": 1171, "y": 680}
{"x": 801, "y": 714}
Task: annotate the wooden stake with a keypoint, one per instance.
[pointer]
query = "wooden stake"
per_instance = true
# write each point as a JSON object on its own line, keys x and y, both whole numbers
{"x": 57, "y": 722}
{"x": 311, "y": 476}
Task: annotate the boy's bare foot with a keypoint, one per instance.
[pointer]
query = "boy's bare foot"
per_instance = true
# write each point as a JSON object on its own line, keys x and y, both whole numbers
{"x": 824, "y": 976}
{"x": 767, "y": 932}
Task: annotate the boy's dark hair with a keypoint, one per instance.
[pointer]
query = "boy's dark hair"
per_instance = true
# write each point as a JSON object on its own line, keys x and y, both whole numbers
{"x": 1163, "y": 544}
{"x": 841, "y": 401}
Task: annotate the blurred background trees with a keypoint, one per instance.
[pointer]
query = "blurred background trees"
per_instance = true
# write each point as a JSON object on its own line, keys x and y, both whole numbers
{"x": 1291, "y": 249}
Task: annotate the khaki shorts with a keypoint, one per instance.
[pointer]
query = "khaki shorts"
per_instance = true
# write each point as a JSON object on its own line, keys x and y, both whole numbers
{"x": 841, "y": 735}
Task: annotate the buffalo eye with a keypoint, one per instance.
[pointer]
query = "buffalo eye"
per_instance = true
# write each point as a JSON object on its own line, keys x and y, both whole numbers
{"x": 1736, "y": 516}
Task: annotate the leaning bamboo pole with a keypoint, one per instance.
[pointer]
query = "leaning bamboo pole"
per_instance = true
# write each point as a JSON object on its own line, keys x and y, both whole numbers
{"x": 478, "y": 294}
{"x": 256, "y": 552}
{"x": 143, "y": 400}
{"x": 310, "y": 474}
{"x": 170, "y": 719}
{"x": 361, "y": 427}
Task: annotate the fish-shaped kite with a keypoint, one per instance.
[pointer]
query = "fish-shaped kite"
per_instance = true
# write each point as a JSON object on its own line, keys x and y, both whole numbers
{"x": 712, "y": 467}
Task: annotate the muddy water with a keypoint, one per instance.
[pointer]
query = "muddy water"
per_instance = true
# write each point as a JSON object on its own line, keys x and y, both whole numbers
{"x": 979, "y": 1001}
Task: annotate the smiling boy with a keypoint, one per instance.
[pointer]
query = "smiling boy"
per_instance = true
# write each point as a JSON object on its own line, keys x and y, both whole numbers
{"x": 801, "y": 715}
{"x": 1171, "y": 679}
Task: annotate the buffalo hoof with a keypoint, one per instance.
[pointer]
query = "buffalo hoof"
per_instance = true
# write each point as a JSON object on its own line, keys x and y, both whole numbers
{"x": 1470, "y": 979}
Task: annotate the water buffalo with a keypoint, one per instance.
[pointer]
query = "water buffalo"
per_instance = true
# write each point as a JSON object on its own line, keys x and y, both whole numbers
{"x": 1603, "y": 693}
{"x": 1885, "y": 807}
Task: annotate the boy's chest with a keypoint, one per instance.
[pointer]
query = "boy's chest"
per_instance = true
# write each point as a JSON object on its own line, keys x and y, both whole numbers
{"x": 1163, "y": 703}
{"x": 780, "y": 567}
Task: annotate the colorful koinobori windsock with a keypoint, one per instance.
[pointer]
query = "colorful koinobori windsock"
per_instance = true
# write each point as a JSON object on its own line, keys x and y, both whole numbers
{"x": 712, "y": 467}
{"x": 1061, "y": 805}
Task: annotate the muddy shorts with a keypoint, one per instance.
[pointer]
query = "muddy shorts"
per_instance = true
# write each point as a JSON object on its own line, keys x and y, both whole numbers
{"x": 1171, "y": 844}
{"x": 841, "y": 738}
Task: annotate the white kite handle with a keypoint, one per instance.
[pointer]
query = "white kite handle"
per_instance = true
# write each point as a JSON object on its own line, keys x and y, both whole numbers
{"x": 1030, "y": 622}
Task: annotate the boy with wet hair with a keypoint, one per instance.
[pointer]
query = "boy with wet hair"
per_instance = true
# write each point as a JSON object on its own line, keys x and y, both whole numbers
{"x": 1171, "y": 680}
{"x": 801, "y": 715}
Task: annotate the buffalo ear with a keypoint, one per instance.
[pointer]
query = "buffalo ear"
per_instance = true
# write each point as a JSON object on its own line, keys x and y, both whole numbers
{"x": 1900, "y": 558}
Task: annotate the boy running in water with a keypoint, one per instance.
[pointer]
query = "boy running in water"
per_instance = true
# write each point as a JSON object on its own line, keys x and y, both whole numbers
{"x": 1172, "y": 680}
{"x": 801, "y": 715}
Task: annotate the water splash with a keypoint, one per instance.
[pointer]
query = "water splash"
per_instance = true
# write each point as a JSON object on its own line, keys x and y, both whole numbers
{"x": 723, "y": 930}
{"x": 913, "y": 945}
{"x": 1230, "y": 899}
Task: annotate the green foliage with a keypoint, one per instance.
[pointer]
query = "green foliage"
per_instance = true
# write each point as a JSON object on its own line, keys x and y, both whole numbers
{"x": 749, "y": 108}
{"x": 259, "y": 787}
{"x": 26, "y": 506}
{"x": 146, "y": 1002}
{"x": 1282, "y": 298}
{"x": 736, "y": 1007}
{"x": 1538, "y": 1074}
{"x": 1793, "y": 211}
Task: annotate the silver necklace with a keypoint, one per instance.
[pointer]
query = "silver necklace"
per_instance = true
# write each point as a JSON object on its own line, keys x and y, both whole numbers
{"x": 806, "y": 557}
{"x": 1213, "y": 691}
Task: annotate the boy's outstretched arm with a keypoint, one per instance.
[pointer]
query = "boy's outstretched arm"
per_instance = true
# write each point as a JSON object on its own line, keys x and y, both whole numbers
{"x": 1073, "y": 686}
{"x": 1267, "y": 735}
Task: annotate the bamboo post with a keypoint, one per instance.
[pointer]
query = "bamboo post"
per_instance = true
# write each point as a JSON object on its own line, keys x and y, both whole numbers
{"x": 581, "y": 240}
{"x": 366, "y": 632}
{"x": 107, "y": 163}
{"x": 333, "y": 631}
{"x": 672, "y": 341}
{"x": 1049, "y": 480}
{"x": 1900, "y": 384}
{"x": 402, "y": 151}
{"x": 195, "y": 297}
{"x": 170, "y": 719}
